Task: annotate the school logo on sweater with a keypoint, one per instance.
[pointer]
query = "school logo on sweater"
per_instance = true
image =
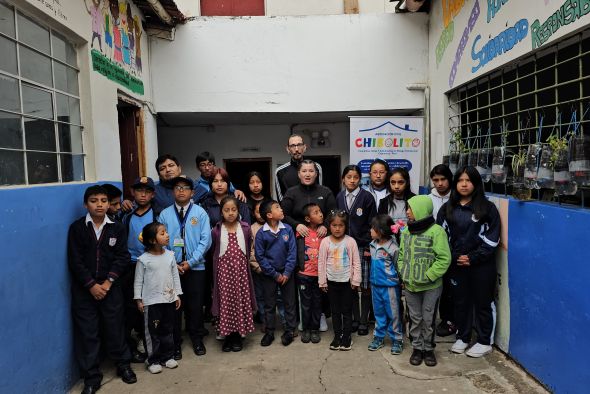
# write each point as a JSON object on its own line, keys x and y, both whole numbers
{"x": 359, "y": 212}
{"x": 286, "y": 237}
{"x": 194, "y": 221}
{"x": 112, "y": 241}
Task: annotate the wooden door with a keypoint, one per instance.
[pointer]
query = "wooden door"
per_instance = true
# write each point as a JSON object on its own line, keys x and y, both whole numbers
{"x": 129, "y": 122}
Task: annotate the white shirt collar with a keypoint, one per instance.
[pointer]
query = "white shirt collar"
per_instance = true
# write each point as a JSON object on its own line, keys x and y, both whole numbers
{"x": 181, "y": 206}
{"x": 354, "y": 192}
{"x": 106, "y": 220}
{"x": 266, "y": 227}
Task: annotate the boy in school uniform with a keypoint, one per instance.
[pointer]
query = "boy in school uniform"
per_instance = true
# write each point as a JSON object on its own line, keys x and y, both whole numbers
{"x": 190, "y": 238}
{"x": 97, "y": 257}
{"x": 134, "y": 221}
{"x": 114, "y": 195}
{"x": 276, "y": 252}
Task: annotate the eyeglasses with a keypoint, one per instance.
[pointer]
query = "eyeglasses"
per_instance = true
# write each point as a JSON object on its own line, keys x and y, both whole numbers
{"x": 206, "y": 164}
{"x": 182, "y": 188}
{"x": 294, "y": 146}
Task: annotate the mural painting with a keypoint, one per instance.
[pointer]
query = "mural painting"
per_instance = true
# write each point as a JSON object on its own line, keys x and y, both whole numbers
{"x": 450, "y": 9}
{"x": 494, "y": 7}
{"x": 475, "y": 11}
{"x": 498, "y": 45}
{"x": 116, "y": 42}
{"x": 569, "y": 12}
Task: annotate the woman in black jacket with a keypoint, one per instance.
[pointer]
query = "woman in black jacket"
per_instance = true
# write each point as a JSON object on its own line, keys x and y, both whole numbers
{"x": 473, "y": 226}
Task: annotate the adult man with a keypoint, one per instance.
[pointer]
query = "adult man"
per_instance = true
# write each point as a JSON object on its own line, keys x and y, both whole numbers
{"x": 378, "y": 176}
{"x": 205, "y": 162}
{"x": 286, "y": 175}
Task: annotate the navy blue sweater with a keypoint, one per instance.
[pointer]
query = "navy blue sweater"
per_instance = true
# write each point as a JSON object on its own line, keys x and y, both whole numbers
{"x": 276, "y": 253}
{"x": 359, "y": 216}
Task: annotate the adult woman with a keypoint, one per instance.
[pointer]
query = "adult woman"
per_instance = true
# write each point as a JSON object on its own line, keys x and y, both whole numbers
{"x": 297, "y": 197}
{"x": 219, "y": 184}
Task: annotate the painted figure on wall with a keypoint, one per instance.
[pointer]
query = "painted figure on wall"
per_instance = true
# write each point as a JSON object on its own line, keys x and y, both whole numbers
{"x": 97, "y": 26}
{"x": 138, "y": 34}
{"x": 124, "y": 33}
{"x": 118, "y": 54}
{"x": 108, "y": 36}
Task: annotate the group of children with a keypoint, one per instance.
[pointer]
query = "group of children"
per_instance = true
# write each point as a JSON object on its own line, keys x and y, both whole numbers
{"x": 379, "y": 246}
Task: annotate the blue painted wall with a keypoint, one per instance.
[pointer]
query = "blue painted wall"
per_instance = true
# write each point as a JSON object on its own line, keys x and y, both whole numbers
{"x": 549, "y": 277}
{"x": 36, "y": 340}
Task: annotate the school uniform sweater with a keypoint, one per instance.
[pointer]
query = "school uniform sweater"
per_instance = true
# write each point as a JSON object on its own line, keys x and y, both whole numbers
{"x": 164, "y": 195}
{"x": 93, "y": 260}
{"x": 276, "y": 252}
{"x": 197, "y": 234}
{"x": 134, "y": 225}
{"x": 213, "y": 209}
{"x": 361, "y": 213}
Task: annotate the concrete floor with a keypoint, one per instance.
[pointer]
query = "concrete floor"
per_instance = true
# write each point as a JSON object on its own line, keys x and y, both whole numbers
{"x": 313, "y": 368}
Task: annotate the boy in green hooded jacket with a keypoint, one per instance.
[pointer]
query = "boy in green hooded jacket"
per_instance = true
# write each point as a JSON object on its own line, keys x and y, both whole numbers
{"x": 424, "y": 257}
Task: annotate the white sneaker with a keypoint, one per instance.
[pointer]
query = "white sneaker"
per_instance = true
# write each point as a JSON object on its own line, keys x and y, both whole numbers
{"x": 323, "y": 323}
{"x": 478, "y": 350}
{"x": 155, "y": 368}
{"x": 171, "y": 363}
{"x": 459, "y": 347}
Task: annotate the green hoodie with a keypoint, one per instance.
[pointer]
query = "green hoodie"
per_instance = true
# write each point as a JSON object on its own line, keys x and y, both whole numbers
{"x": 424, "y": 254}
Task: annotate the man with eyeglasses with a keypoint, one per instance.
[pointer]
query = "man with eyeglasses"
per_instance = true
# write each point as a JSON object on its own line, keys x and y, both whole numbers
{"x": 286, "y": 174}
{"x": 205, "y": 162}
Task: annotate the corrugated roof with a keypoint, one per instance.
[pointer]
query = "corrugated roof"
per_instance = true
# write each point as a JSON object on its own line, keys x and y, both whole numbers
{"x": 152, "y": 18}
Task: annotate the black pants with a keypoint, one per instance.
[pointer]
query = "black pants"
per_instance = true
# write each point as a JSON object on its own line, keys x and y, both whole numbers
{"x": 95, "y": 320}
{"x": 270, "y": 287}
{"x": 193, "y": 289}
{"x": 362, "y": 308}
{"x": 159, "y": 328}
{"x": 341, "y": 306}
{"x": 445, "y": 307}
{"x": 473, "y": 293}
{"x": 133, "y": 317}
{"x": 311, "y": 301}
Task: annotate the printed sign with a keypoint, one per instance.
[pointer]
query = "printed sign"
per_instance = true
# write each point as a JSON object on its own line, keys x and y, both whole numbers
{"x": 115, "y": 73}
{"x": 397, "y": 140}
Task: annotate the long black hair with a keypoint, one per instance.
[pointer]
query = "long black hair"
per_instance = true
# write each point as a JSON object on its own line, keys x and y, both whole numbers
{"x": 382, "y": 225}
{"x": 407, "y": 191}
{"x": 148, "y": 235}
{"x": 479, "y": 202}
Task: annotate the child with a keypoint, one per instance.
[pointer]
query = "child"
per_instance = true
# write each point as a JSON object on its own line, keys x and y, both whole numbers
{"x": 378, "y": 172}
{"x": 441, "y": 177}
{"x": 114, "y": 194}
{"x": 134, "y": 221}
{"x": 156, "y": 291}
{"x": 473, "y": 226}
{"x": 255, "y": 196}
{"x": 359, "y": 204}
{"x": 424, "y": 257}
{"x": 339, "y": 270}
{"x": 190, "y": 238}
{"x": 277, "y": 254}
{"x": 97, "y": 257}
{"x": 234, "y": 300}
{"x": 309, "y": 292}
{"x": 385, "y": 285}
{"x": 396, "y": 203}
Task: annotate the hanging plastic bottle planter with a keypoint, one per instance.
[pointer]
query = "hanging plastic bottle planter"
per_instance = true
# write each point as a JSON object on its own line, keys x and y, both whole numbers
{"x": 545, "y": 170}
{"x": 561, "y": 175}
{"x": 579, "y": 165}
{"x": 463, "y": 160}
{"x": 454, "y": 162}
{"x": 531, "y": 166}
{"x": 499, "y": 168}
{"x": 484, "y": 164}
{"x": 519, "y": 189}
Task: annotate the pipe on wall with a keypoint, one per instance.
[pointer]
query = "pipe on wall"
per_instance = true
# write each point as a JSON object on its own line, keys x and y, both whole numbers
{"x": 426, "y": 90}
{"x": 160, "y": 11}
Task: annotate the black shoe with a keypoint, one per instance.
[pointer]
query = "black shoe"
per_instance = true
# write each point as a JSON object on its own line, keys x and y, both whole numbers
{"x": 355, "y": 326}
{"x": 267, "y": 339}
{"x": 287, "y": 338}
{"x": 306, "y": 336}
{"x": 445, "y": 329}
{"x": 138, "y": 358}
{"x": 227, "y": 344}
{"x": 236, "y": 345}
{"x": 178, "y": 354}
{"x": 127, "y": 375}
{"x": 90, "y": 389}
{"x": 363, "y": 330}
{"x": 429, "y": 358}
{"x": 315, "y": 336}
{"x": 335, "y": 344}
{"x": 199, "y": 348}
{"x": 346, "y": 343}
{"x": 416, "y": 357}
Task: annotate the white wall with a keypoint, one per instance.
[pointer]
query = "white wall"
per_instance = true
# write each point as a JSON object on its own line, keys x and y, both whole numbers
{"x": 226, "y": 142}
{"x": 292, "y": 64}
{"x": 323, "y": 7}
{"x": 506, "y": 16}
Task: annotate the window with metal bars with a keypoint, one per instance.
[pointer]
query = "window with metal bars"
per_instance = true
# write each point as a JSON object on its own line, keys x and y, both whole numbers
{"x": 534, "y": 112}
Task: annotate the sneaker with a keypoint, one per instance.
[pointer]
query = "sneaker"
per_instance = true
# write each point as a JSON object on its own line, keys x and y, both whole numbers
{"x": 459, "y": 347}
{"x": 346, "y": 344}
{"x": 315, "y": 336}
{"x": 478, "y": 350}
{"x": 287, "y": 338}
{"x": 363, "y": 330}
{"x": 172, "y": 363}
{"x": 155, "y": 368}
{"x": 376, "y": 344}
{"x": 323, "y": 323}
{"x": 416, "y": 357}
{"x": 267, "y": 339}
{"x": 306, "y": 336}
{"x": 445, "y": 329}
{"x": 397, "y": 347}
{"x": 429, "y": 358}
{"x": 335, "y": 344}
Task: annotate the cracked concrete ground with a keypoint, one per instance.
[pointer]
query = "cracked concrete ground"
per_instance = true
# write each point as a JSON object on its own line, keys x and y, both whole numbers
{"x": 313, "y": 368}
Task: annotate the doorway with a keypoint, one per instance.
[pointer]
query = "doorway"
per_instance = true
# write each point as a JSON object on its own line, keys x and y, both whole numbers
{"x": 238, "y": 170}
{"x": 330, "y": 171}
{"x": 132, "y": 146}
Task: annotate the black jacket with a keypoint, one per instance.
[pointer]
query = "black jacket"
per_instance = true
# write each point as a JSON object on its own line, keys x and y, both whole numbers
{"x": 213, "y": 209}
{"x": 476, "y": 239}
{"x": 286, "y": 177}
{"x": 299, "y": 196}
{"x": 93, "y": 261}
{"x": 359, "y": 216}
